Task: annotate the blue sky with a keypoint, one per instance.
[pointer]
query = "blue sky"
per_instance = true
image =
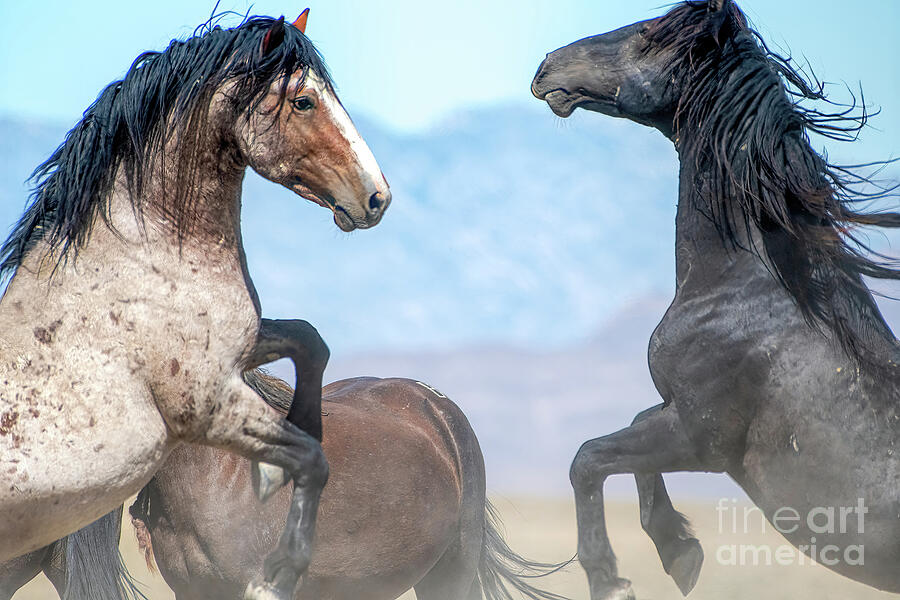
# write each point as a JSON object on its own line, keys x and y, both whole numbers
{"x": 408, "y": 63}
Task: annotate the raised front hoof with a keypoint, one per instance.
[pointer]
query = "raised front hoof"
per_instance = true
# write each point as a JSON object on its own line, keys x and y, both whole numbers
{"x": 617, "y": 589}
{"x": 261, "y": 590}
{"x": 267, "y": 479}
{"x": 684, "y": 565}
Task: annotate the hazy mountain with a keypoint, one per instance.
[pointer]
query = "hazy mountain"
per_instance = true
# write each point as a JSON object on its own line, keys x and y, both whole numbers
{"x": 506, "y": 225}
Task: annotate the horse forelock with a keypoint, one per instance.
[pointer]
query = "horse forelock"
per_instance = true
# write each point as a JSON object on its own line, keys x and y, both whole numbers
{"x": 741, "y": 127}
{"x": 126, "y": 127}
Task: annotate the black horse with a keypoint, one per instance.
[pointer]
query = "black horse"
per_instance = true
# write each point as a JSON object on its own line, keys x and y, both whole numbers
{"x": 773, "y": 361}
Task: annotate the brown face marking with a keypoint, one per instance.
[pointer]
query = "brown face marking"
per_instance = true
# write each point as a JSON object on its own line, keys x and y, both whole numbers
{"x": 326, "y": 155}
{"x": 315, "y": 150}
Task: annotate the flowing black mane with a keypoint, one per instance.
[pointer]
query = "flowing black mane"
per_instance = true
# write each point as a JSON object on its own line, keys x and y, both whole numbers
{"x": 163, "y": 94}
{"x": 741, "y": 126}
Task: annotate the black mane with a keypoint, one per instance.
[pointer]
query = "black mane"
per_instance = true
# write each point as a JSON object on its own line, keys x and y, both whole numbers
{"x": 740, "y": 122}
{"x": 162, "y": 94}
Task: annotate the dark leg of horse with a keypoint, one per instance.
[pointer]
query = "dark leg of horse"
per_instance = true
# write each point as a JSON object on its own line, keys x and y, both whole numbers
{"x": 299, "y": 341}
{"x": 679, "y": 551}
{"x": 455, "y": 575}
{"x": 54, "y": 565}
{"x": 655, "y": 444}
{"x": 16, "y": 572}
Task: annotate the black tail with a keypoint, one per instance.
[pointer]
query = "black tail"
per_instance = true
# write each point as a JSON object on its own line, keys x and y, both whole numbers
{"x": 500, "y": 565}
{"x": 94, "y": 567}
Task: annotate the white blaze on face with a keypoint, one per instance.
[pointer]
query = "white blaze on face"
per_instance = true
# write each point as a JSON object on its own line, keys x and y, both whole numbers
{"x": 370, "y": 172}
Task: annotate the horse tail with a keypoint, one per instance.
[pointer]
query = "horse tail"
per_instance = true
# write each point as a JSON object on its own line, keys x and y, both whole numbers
{"x": 94, "y": 566}
{"x": 501, "y": 566}
{"x": 140, "y": 513}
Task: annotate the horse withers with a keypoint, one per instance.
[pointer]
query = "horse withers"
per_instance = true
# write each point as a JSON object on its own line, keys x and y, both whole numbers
{"x": 773, "y": 360}
{"x": 130, "y": 315}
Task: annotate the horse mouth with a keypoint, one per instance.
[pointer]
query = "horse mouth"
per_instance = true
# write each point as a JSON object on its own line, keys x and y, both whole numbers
{"x": 347, "y": 223}
{"x": 563, "y": 103}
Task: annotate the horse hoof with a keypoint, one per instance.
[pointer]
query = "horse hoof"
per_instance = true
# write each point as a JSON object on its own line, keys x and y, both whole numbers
{"x": 267, "y": 479}
{"x": 685, "y": 568}
{"x": 618, "y": 589}
{"x": 262, "y": 591}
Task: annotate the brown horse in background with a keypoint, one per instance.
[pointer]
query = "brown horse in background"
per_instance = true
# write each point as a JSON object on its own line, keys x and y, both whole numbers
{"x": 404, "y": 507}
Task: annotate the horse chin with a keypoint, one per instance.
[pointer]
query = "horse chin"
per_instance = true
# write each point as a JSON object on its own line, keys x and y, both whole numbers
{"x": 564, "y": 103}
{"x": 560, "y": 102}
{"x": 343, "y": 220}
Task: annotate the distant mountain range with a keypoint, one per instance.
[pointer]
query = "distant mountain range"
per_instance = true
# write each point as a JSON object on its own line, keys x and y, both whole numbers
{"x": 507, "y": 225}
{"x": 520, "y": 269}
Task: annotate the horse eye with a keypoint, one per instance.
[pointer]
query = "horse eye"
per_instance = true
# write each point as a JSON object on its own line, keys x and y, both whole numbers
{"x": 303, "y": 103}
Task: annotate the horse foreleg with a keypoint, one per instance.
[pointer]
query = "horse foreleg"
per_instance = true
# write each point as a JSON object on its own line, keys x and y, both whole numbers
{"x": 653, "y": 445}
{"x": 670, "y": 530}
{"x": 298, "y": 340}
{"x": 247, "y": 426}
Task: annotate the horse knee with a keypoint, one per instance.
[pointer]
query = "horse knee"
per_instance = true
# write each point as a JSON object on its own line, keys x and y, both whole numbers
{"x": 319, "y": 352}
{"x": 590, "y": 467}
{"x": 316, "y": 348}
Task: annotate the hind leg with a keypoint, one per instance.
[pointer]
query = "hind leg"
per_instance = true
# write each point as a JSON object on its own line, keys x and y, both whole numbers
{"x": 16, "y": 572}
{"x": 54, "y": 565}
{"x": 654, "y": 444}
{"x": 454, "y": 576}
{"x": 678, "y": 549}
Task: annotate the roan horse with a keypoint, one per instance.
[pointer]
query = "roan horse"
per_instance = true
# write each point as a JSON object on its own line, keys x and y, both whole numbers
{"x": 404, "y": 507}
{"x": 131, "y": 317}
{"x": 773, "y": 360}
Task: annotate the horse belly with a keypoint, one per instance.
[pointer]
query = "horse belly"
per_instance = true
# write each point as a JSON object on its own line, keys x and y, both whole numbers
{"x": 390, "y": 509}
{"x": 72, "y": 448}
{"x": 836, "y": 468}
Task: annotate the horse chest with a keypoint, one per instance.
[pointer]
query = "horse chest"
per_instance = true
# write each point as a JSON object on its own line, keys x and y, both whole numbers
{"x": 712, "y": 358}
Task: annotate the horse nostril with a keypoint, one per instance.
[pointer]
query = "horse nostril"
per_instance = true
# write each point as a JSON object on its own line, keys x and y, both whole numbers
{"x": 376, "y": 201}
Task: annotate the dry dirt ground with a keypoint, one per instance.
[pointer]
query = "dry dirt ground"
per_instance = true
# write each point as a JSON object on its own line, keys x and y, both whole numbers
{"x": 544, "y": 529}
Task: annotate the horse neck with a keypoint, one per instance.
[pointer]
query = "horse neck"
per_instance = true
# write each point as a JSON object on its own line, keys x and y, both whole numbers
{"x": 701, "y": 256}
{"x": 123, "y": 239}
{"x": 212, "y": 216}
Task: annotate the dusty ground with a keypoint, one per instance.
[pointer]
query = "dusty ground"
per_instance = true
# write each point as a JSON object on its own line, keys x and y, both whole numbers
{"x": 545, "y": 529}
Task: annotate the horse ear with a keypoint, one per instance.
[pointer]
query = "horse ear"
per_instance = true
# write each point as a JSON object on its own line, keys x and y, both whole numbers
{"x": 718, "y": 5}
{"x": 274, "y": 36}
{"x": 300, "y": 23}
